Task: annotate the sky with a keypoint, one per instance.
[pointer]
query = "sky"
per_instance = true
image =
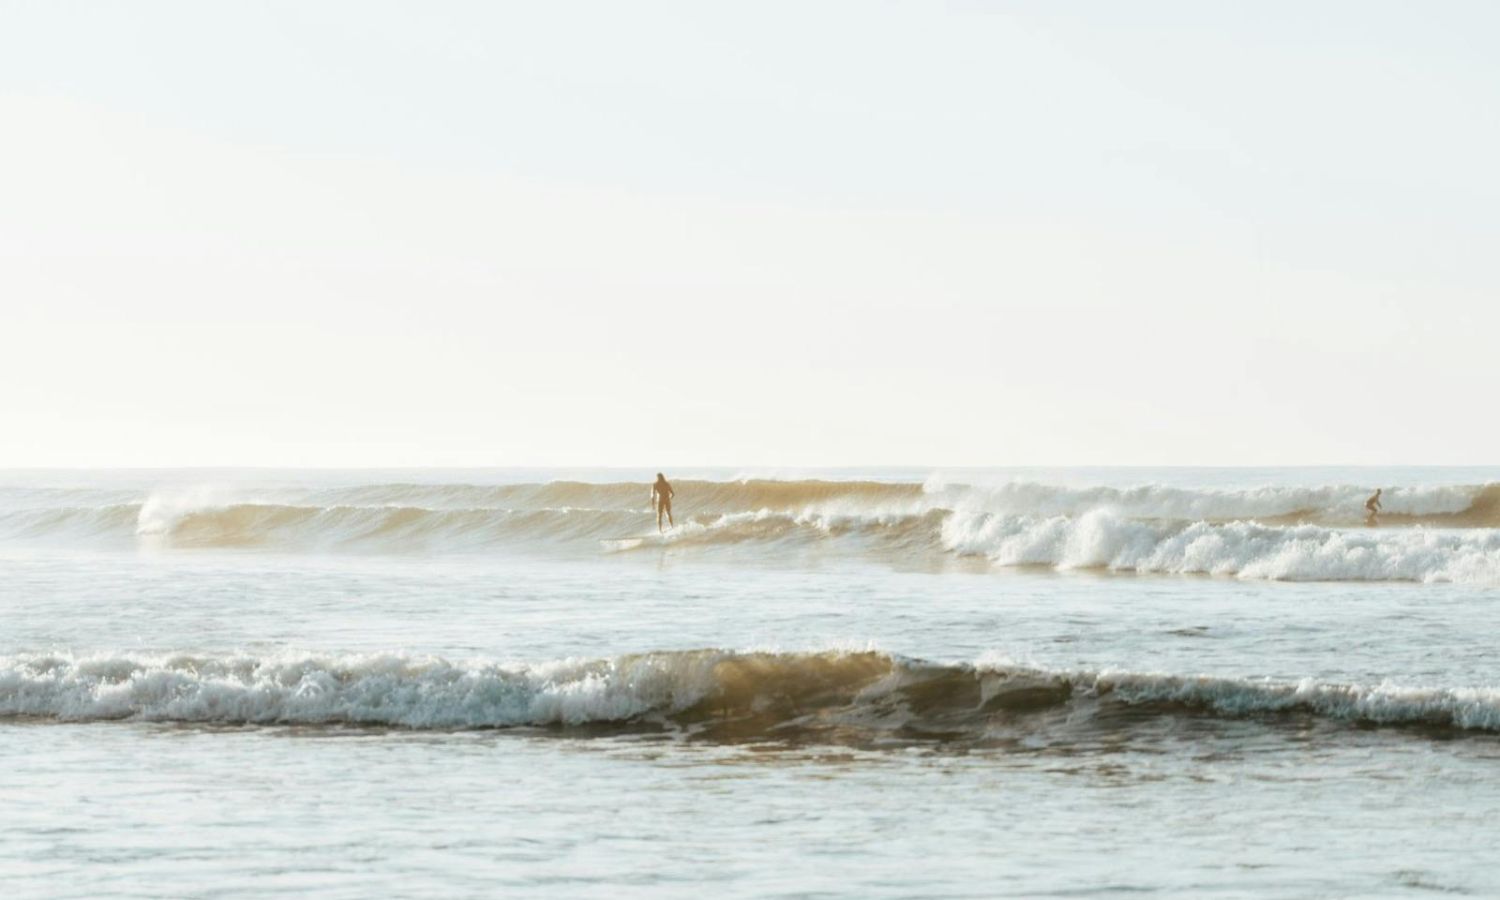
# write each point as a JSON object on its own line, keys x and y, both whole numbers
{"x": 776, "y": 234}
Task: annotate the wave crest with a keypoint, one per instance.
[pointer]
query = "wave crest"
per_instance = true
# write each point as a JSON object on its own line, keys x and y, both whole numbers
{"x": 712, "y": 694}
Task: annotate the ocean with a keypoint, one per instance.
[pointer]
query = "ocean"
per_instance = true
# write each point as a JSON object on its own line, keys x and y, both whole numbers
{"x": 821, "y": 683}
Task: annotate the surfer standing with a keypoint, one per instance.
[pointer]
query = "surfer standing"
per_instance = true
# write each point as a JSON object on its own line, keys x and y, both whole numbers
{"x": 1372, "y": 507}
{"x": 661, "y": 498}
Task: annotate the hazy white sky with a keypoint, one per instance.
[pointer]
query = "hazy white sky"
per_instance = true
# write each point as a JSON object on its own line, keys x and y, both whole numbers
{"x": 782, "y": 234}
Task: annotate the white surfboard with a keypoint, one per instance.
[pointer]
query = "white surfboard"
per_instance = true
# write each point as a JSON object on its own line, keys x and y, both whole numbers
{"x": 630, "y": 543}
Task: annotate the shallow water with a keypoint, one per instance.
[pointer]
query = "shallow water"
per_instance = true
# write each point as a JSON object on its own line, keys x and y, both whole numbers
{"x": 835, "y": 713}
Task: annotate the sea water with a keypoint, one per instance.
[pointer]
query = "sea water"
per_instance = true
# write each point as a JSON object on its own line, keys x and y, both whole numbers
{"x": 829, "y": 683}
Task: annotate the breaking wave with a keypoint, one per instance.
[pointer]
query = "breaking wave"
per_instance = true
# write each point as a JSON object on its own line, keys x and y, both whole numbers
{"x": 1438, "y": 533}
{"x": 1102, "y": 540}
{"x": 711, "y": 694}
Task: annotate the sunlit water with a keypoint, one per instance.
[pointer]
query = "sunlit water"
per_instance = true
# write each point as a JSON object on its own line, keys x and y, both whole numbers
{"x": 158, "y": 792}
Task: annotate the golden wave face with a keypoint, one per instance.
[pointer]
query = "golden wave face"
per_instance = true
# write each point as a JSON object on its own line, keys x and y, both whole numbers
{"x": 706, "y": 496}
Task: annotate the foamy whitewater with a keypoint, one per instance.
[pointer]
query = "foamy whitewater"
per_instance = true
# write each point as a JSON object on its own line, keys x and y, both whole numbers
{"x": 829, "y": 683}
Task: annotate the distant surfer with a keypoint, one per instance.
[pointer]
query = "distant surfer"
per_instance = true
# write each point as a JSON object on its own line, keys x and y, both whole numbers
{"x": 661, "y": 498}
{"x": 1372, "y": 508}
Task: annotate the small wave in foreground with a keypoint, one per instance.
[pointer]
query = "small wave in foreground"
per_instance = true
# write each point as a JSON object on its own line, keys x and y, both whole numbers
{"x": 843, "y": 697}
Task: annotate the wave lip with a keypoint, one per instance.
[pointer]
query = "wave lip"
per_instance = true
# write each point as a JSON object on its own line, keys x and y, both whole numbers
{"x": 711, "y": 694}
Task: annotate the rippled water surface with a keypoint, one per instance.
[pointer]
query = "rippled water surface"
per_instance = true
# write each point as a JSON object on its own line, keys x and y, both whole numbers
{"x": 814, "y": 709}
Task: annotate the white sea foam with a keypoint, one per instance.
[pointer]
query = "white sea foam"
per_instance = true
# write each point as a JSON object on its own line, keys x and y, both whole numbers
{"x": 1103, "y": 539}
{"x": 415, "y": 692}
{"x": 1385, "y": 703}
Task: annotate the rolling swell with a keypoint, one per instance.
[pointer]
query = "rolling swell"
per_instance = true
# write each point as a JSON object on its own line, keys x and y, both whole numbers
{"x": 707, "y": 496}
{"x": 840, "y": 697}
{"x": 1444, "y": 533}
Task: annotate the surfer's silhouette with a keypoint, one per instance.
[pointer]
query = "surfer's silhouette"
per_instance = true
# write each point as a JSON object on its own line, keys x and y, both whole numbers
{"x": 661, "y": 498}
{"x": 1372, "y": 508}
